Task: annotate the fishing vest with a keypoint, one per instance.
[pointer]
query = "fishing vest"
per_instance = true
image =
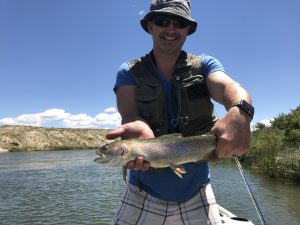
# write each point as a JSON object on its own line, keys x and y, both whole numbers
{"x": 193, "y": 107}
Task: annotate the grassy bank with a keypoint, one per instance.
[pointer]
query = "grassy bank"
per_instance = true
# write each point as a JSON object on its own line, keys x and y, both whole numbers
{"x": 275, "y": 150}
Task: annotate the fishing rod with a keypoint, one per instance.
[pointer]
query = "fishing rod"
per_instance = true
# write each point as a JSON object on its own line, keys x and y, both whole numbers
{"x": 258, "y": 211}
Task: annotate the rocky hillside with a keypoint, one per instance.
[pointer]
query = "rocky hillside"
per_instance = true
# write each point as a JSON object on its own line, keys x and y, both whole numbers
{"x": 28, "y": 138}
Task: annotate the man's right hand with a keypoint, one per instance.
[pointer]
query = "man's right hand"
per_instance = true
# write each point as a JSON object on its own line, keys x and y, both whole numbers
{"x": 133, "y": 130}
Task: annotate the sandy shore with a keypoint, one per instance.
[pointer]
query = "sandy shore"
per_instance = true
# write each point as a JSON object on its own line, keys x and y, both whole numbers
{"x": 3, "y": 150}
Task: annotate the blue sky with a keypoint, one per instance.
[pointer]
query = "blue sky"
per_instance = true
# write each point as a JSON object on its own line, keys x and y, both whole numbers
{"x": 59, "y": 58}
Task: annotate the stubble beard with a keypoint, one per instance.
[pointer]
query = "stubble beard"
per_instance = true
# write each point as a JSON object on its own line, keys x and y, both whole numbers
{"x": 169, "y": 49}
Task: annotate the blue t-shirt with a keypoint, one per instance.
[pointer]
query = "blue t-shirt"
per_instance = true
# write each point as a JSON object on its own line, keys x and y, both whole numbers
{"x": 164, "y": 183}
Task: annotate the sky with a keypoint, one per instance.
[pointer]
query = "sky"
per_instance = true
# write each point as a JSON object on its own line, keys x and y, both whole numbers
{"x": 59, "y": 58}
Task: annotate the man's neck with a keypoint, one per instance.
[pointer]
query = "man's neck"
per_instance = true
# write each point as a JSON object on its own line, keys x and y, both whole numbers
{"x": 166, "y": 63}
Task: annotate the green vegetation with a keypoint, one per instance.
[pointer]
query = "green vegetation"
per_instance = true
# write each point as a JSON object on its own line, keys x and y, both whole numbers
{"x": 275, "y": 150}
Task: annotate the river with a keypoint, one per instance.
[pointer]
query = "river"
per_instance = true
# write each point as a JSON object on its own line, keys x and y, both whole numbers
{"x": 67, "y": 187}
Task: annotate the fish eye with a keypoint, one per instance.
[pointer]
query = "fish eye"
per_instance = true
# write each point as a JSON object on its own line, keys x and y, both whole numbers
{"x": 103, "y": 148}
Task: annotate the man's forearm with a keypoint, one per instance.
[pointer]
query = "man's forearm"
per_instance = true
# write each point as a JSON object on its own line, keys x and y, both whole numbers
{"x": 225, "y": 90}
{"x": 234, "y": 93}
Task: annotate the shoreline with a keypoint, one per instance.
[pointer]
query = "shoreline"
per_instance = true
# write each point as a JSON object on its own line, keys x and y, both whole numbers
{"x": 3, "y": 150}
{"x": 28, "y": 138}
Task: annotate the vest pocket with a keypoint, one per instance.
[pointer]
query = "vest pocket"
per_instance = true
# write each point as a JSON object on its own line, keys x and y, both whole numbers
{"x": 195, "y": 105}
{"x": 195, "y": 98}
{"x": 149, "y": 97}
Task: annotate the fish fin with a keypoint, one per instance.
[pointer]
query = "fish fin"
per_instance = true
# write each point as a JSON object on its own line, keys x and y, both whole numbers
{"x": 125, "y": 157}
{"x": 178, "y": 169}
{"x": 124, "y": 169}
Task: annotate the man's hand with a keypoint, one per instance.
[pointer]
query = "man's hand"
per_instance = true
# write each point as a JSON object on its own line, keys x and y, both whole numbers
{"x": 138, "y": 130}
{"x": 233, "y": 131}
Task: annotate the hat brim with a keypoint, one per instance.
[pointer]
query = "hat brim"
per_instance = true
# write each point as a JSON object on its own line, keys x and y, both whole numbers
{"x": 147, "y": 17}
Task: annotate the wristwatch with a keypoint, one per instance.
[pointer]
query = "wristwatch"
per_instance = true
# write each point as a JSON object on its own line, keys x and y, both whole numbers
{"x": 246, "y": 107}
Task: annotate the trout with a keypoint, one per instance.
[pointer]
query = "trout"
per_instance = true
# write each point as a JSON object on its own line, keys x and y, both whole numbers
{"x": 171, "y": 150}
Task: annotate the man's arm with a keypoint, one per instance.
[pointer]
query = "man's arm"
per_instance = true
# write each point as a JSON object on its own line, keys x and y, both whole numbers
{"x": 133, "y": 126}
{"x": 233, "y": 130}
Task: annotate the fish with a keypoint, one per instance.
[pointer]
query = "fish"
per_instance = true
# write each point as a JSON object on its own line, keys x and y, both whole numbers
{"x": 170, "y": 150}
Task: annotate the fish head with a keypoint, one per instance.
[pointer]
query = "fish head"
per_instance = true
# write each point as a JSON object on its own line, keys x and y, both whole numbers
{"x": 111, "y": 153}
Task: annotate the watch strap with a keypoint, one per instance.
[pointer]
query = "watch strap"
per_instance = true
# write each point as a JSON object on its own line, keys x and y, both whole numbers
{"x": 246, "y": 107}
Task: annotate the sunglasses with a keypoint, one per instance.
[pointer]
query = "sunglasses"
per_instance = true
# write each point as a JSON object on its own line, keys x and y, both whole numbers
{"x": 165, "y": 21}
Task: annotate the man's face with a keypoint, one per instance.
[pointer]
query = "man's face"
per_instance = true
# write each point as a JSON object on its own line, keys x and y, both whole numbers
{"x": 168, "y": 34}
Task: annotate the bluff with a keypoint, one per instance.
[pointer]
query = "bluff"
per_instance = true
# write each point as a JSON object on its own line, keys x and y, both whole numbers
{"x": 29, "y": 138}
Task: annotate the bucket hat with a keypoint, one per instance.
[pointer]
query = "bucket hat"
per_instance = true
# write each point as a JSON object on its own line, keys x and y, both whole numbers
{"x": 179, "y": 8}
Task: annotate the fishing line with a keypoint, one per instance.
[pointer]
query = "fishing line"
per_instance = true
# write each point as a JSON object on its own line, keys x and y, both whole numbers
{"x": 258, "y": 211}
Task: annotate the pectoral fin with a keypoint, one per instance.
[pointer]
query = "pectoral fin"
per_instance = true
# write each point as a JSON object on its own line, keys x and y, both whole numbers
{"x": 179, "y": 170}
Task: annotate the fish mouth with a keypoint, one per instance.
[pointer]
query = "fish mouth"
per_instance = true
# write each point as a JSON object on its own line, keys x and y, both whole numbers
{"x": 101, "y": 159}
{"x": 99, "y": 152}
{"x": 107, "y": 161}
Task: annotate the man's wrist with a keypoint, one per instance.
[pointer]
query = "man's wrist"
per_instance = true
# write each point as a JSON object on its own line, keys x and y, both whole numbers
{"x": 245, "y": 107}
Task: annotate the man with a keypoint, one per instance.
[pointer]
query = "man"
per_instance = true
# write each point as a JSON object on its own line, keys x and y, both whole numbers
{"x": 168, "y": 91}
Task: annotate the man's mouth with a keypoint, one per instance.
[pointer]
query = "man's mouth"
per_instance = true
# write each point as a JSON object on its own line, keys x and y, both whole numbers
{"x": 169, "y": 38}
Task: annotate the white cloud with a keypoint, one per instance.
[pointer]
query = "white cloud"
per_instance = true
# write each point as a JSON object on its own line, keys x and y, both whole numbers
{"x": 54, "y": 114}
{"x": 141, "y": 12}
{"x": 110, "y": 118}
{"x": 266, "y": 122}
{"x": 30, "y": 119}
{"x": 8, "y": 121}
{"x": 110, "y": 110}
{"x": 79, "y": 120}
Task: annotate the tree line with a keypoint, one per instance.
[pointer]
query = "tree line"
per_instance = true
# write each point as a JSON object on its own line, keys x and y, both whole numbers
{"x": 275, "y": 149}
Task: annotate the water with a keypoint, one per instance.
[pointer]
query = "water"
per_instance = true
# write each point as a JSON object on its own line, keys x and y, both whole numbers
{"x": 67, "y": 187}
{"x": 279, "y": 201}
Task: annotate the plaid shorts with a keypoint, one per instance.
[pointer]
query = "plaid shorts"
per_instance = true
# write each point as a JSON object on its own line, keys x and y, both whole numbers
{"x": 138, "y": 207}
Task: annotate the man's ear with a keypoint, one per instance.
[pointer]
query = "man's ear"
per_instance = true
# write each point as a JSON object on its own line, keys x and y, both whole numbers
{"x": 150, "y": 26}
{"x": 188, "y": 29}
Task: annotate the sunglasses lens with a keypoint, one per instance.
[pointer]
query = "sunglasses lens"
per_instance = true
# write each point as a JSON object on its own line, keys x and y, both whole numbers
{"x": 180, "y": 22}
{"x": 164, "y": 21}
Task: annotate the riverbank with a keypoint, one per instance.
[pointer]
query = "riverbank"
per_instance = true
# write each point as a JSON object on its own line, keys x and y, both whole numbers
{"x": 3, "y": 150}
{"x": 29, "y": 138}
{"x": 275, "y": 150}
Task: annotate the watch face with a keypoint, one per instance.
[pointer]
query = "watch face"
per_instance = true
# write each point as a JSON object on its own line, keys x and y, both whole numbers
{"x": 249, "y": 109}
